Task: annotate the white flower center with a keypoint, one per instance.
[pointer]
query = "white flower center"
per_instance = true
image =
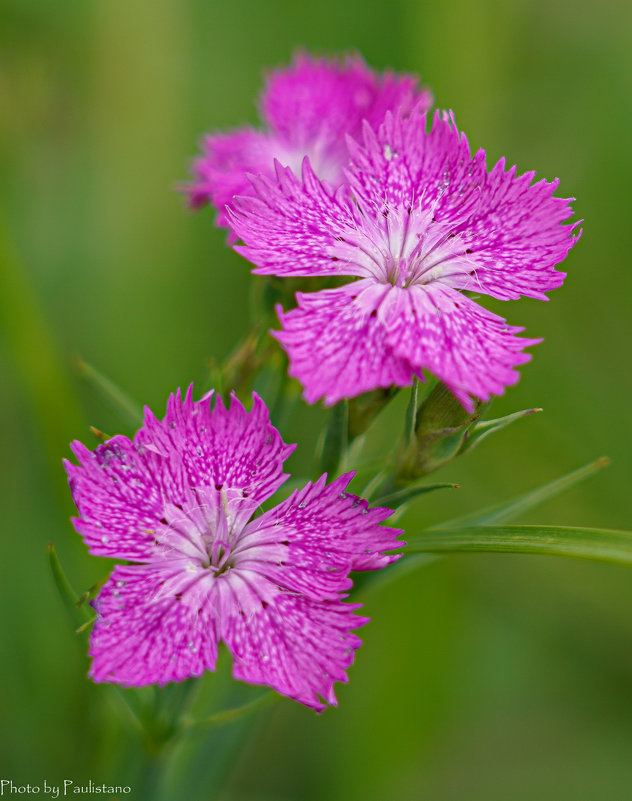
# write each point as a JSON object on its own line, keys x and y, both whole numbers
{"x": 406, "y": 247}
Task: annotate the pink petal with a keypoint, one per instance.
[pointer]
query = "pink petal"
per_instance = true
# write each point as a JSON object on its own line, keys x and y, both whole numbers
{"x": 313, "y": 103}
{"x": 336, "y": 345}
{"x": 222, "y": 171}
{"x": 516, "y": 237}
{"x": 295, "y": 645}
{"x": 236, "y": 451}
{"x": 120, "y": 490}
{"x": 139, "y": 500}
{"x": 401, "y": 165}
{"x": 503, "y": 235}
{"x": 294, "y": 226}
{"x": 309, "y": 108}
{"x": 309, "y": 542}
{"x": 144, "y": 635}
{"x": 470, "y": 349}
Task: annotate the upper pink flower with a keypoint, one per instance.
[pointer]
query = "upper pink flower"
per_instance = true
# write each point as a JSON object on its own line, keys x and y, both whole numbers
{"x": 307, "y": 110}
{"x": 177, "y": 503}
{"x": 419, "y": 222}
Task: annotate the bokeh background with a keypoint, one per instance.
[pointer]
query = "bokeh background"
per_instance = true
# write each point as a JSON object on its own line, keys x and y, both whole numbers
{"x": 482, "y": 677}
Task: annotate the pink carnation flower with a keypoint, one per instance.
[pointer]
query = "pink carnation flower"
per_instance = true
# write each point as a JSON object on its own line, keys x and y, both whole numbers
{"x": 177, "y": 503}
{"x": 419, "y": 223}
{"x": 307, "y": 110}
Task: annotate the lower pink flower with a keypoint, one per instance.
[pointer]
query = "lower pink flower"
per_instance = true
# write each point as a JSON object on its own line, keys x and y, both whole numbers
{"x": 178, "y": 503}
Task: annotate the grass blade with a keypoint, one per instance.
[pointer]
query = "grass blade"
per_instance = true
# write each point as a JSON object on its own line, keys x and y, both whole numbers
{"x": 230, "y": 715}
{"x": 484, "y": 428}
{"x": 507, "y": 510}
{"x": 123, "y": 404}
{"x": 80, "y": 613}
{"x": 581, "y": 543}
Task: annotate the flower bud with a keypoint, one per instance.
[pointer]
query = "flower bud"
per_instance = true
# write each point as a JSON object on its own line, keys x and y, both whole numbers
{"x": 443, "y": 430}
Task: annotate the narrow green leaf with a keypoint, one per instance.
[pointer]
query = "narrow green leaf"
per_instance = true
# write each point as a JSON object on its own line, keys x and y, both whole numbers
{"x": 508, "y": 510}
{"x": 496, "y": 514}
{"x": 484, "y": 428}
{"x": 28, "y": 339}
{"x": 128, "y": 698}
{"x": 85, "y": 626}
{"x": 407, "y": 494}
{"x": 582, "y": 543}
{"x": 351, "y": 458}
{"x": 81, "y": 601}
{"x": 335, "y": 441}
{"x": 128, "y": 408}
{"x": 230, "y": 715}
{"x": 374, "y": 484}
{"x": 99, "y": 435}
{"x": 70, "y": 599}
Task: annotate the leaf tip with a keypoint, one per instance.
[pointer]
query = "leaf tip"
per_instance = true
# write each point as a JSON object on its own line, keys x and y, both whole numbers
{"x": 101, "y": 436}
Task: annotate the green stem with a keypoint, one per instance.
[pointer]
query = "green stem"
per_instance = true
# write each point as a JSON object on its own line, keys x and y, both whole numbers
{"x": 161, "y": 723}
{"x": 152, "y": 773}
{"x": 283, "y": 404}
{"x": 336, "y": 440}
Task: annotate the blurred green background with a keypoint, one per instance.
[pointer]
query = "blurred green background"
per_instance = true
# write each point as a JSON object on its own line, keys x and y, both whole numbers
{"x": 482, "y": 677}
